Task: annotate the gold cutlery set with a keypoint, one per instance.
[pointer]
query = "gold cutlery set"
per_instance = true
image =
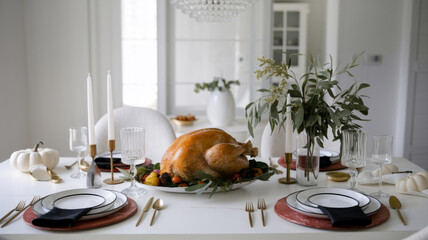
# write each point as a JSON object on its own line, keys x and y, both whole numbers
{"x": 20, "y": 208}
{"x": 158, "y": 205}
{"x": 250, "y": 208}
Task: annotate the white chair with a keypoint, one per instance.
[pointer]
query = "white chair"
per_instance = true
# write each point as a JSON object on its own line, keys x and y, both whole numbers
{"x": 159, "y": 132}
{"x": 272, "y": 143}
{"x": 257, "y": 139}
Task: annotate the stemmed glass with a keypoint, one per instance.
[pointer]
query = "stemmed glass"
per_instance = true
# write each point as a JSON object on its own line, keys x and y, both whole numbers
{"x": 382, "y": 152}
{"x": 133, "y": 152}
{"x": 353, "y": 153}
{"x": 79, "y": 144}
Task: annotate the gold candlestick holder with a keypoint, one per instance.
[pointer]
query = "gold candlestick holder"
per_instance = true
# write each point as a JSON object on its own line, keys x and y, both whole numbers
{"x": 92, "y": 151}
{"x": 111, "y": 180}
{"x": 287, "y": 180}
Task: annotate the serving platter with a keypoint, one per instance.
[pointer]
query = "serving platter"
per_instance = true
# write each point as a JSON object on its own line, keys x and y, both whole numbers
{"x": 182, "y": 189}
{"x": 120, "y": 202}
{"x": 291, "y": 201}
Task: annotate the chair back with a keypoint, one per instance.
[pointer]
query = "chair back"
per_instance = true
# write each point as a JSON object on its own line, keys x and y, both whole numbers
{"x": 159, "y": 132}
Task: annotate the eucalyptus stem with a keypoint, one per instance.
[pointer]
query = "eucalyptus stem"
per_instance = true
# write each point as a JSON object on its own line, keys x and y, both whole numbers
{"x": 309, "y": 110}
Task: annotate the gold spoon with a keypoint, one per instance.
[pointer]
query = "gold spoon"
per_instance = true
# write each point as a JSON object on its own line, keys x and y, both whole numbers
{"x": 158, "y": 205}
{"x": 84, "y": 165}
{"x": 396, "y": 204}
{"x": 54, "y": 178}
{"x": 71, "y": 165}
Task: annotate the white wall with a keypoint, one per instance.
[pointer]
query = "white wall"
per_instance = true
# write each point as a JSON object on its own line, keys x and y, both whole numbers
{"x": 316, "y": 26}
{"x": 375, "y": 27}
{"x": 57, "y": 65}
{"x": 13, "y": 87}
{"x": 46, "y": 51}
{"x": 47, "y": 48}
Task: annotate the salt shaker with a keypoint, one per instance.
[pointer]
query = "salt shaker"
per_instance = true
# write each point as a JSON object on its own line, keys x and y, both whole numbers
{"x": 93, "y": 178}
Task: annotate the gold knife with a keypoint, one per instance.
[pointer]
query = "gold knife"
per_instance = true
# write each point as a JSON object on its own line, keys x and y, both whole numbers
{"x": 146, "y": 208}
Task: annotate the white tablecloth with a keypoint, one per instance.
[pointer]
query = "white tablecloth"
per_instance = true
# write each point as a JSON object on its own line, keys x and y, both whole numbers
{"x": 189, "y": 217}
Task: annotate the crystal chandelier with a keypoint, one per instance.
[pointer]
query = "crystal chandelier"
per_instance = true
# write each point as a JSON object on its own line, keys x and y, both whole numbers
{"x": 212, "y": 10}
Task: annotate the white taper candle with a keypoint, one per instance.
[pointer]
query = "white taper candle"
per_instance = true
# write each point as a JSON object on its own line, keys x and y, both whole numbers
{"x": 288, "y": 128}
{"x": 91, "y": 127}
{"x": 110, "y": 114}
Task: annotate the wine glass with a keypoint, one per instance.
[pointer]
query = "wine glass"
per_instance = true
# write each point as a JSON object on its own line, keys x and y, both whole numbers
{"x": 382, "y": 152}
{"x": 79, "y": 144}
{"x": 353, "y": 153}
{"x": 133, "y": 152}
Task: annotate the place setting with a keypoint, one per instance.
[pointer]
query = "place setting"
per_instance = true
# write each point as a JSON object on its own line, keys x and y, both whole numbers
{"x": 329, "y": 161}
{"x": 332, "y": 208}
{"x": 79, "y": 209}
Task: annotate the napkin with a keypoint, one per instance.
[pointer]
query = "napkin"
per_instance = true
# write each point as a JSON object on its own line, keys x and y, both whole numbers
{"x": 103, "y": 161}
{"x": 352, "y": 216}
{"x": 367, "y": 177}
{"x": 58, "y": 217}
{"x": 325, "y": 162}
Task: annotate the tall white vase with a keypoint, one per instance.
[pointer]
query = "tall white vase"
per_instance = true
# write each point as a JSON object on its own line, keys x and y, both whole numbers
{"x": 221, "y": 108}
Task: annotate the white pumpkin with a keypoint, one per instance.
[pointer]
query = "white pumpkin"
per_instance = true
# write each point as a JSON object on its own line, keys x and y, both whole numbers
{"x": 414, "y": 183}
{"x": 23, "y": 160}
{"x": 386, "y": 169}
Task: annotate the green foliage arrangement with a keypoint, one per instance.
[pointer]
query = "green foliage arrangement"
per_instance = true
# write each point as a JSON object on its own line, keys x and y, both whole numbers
{"x": 215, "y": 84}
{"x": 216, "y": 184}
{"x": 203, "y": 181}
{"x": 310, "y": 110}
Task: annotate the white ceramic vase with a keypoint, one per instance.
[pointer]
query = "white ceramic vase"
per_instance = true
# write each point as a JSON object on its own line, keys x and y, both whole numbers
{"x": 221, "y": 108}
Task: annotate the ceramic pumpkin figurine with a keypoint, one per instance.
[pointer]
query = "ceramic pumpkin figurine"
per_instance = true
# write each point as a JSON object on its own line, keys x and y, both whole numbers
{"x": 23, "y": 160}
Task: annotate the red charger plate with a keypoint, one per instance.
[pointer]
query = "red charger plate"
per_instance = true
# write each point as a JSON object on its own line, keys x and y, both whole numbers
{"x": 284, "y": 211}
{"x": 126, "y": 212}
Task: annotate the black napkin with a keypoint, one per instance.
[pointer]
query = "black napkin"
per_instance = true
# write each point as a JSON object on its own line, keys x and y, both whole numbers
{"x": 325, "y": 162}
{"x": 103, "y": 162}
{"x": 352, "y": 216}
{"x": 58, "y": 217}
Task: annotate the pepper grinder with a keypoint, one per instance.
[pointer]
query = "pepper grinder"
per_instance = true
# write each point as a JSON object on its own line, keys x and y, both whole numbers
{"x": 93, "y": 177}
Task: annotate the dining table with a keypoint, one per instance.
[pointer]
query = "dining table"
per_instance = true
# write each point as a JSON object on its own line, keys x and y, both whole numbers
{"x": 221, "y": 216}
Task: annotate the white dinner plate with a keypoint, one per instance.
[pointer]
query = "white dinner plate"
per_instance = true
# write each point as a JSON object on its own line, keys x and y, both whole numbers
{"x": 334, "y": 156}
{"x": 302, "y": 197}
{"x": 120, "y": 202}
{"x": 291, "y": 201}
{"x": 110, "y": 197}
{"x": 332, "y": 200}
{"x": 79, "y": 201}
{"x": 182, "y": 189}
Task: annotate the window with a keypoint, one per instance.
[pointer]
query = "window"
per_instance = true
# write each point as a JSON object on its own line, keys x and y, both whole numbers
{"x": 204, "y": 50}
{"x": 139, "y": 53}
{"x": 194, "y": 52}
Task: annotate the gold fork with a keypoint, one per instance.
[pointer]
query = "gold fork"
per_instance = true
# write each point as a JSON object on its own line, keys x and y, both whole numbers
{"x": 35, "y": 199}
{"x": 249, "y": 208}
{"x": 262, "y": 206}
{"x": 18, "y": 207}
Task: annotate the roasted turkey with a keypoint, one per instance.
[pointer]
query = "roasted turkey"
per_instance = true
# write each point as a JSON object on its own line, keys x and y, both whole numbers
{"x": 210, "y": 150}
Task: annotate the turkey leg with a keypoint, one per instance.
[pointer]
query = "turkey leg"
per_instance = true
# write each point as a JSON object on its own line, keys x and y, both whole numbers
{"x": 229, "y": 158}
